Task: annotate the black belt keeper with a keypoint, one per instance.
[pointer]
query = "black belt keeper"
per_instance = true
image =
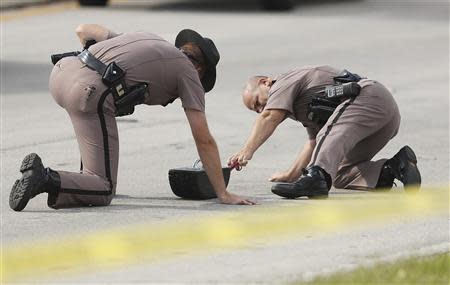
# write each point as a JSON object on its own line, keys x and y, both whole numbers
{"x": 114, "y": 77}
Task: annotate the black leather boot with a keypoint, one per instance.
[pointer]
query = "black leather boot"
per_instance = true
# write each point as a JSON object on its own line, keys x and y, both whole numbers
{"x": 314, "y": 183}
{"x": 35, "y": 180}
{"x": 402, "y": 166}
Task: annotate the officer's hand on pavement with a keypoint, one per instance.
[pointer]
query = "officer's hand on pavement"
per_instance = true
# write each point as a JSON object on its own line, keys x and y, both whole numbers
{"x": 242, "y": 158}
{"x": 233, "y": 199}
{"x": 282, "y": 177}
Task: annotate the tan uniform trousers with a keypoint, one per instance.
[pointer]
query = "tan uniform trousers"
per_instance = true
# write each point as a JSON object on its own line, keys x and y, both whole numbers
{"x": 80, "y": 92}
{"x": 358, "y": 129}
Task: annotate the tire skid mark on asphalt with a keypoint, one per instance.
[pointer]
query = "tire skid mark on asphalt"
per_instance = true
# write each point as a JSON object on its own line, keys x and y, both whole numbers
{"x": 146, "y": 243}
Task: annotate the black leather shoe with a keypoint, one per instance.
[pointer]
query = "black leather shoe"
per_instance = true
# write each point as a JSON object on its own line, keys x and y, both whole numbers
{"x": 34, "y": 181}
{"x": 314, "y": 183}
{"x": 402, "y": 166}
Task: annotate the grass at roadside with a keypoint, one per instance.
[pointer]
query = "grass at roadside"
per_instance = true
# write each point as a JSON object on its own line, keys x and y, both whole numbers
{"x": 430, "y": 270}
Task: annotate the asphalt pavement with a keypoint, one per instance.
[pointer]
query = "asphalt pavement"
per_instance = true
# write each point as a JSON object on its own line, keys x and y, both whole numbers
{"x": 403, "y": 44}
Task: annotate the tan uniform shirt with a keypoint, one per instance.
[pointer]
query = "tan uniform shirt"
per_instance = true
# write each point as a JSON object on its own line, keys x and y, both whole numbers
{"x": 293, "y": 91}
{"x": 146, "y": 57}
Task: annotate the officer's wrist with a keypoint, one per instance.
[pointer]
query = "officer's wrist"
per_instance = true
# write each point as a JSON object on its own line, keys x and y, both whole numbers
{"x": 248, "y": 151}
{"x": 222, "y": 197}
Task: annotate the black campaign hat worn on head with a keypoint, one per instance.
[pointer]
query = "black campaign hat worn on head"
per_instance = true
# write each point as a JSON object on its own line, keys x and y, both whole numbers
{"x": 210, "y": 53}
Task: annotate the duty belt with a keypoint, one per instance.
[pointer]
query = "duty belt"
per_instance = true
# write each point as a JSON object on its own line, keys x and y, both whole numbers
{"x": 329, "y": 97}
{"x": 114, "y": 77}
{"x": 92, "y": 62}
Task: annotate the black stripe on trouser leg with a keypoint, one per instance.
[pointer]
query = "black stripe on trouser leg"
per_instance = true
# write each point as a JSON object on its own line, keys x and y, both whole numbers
{"x": 86, "y": 192}
{"x": 330, "y": 126}
{"x": 101, "y": 117}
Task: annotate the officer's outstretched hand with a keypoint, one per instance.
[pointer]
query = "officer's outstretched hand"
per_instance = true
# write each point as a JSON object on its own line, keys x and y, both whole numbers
{"x": 233, "y": 199}
{"x": 241, "y": 158}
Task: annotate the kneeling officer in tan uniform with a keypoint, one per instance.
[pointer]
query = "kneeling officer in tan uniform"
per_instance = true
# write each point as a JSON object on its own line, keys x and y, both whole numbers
{"x": 349, "y": 119}
{"x": 107, "y": 80}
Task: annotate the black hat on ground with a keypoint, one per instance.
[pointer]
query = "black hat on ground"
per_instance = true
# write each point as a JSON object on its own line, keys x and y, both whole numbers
{"x": 210, "y": 53}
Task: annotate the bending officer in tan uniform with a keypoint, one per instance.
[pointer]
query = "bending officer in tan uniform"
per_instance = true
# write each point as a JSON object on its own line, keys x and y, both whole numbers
{"x": 345, "y": 131}
{"x": 89, "y": 88}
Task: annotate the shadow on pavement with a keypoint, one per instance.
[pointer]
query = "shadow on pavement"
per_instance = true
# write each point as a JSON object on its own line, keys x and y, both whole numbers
{"x": 235, "y": 6}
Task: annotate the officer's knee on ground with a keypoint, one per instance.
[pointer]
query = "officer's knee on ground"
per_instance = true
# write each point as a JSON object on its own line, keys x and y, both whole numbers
{"x": 93, "y": 201}
{"x": 338, "y": 184}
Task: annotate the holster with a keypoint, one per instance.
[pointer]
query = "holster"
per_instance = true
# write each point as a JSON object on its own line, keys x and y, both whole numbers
{"x": 134, "y": 96}
{"x": 320, "y": 109}
{"x": 327, "y": 99}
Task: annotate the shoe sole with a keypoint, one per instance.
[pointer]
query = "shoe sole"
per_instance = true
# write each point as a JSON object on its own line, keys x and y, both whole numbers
{"x": 289, "y": 195}
{"x": 20, "y": 192}
{"x": 410, "y": 175}
{"x": 31, "y": 161}
{"x": 17, "y": 199}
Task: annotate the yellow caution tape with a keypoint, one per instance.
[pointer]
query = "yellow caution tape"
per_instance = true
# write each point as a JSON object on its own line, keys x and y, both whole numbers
{"x": 151, "y": 242}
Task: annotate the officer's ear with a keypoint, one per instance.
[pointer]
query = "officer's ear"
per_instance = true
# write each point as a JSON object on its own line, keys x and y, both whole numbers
{"x": 200, "y": 69}
{"x": 265, "y": 81}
